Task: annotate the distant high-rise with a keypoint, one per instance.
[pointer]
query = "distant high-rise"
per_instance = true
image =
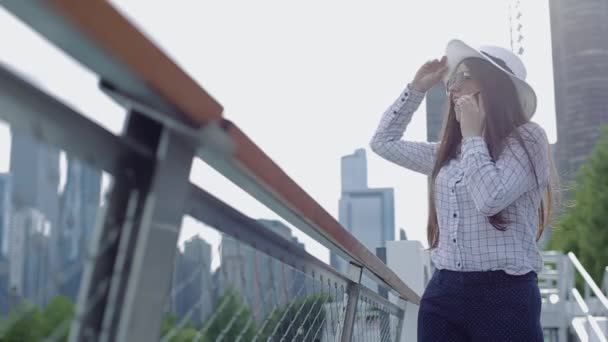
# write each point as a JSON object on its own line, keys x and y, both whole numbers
{"x": 79, "y": 204}
{"x": 369, "y": 214}
{"x": 354, "y": 171}
{"x": 34, "y": 168}
{"x": 35, "y": 175}
{"x": 29, "y": 252}
{"x": 281, "y": 229}
{"x": 262, "y": 281}
{"x": 5, "y": 212}
{"x": 436, "y": 100}
{"x": 5, "y": 220}
{"x": 193, "y": 288}
{"x": 579, "y": 31}
{"x": 78, "y": 208}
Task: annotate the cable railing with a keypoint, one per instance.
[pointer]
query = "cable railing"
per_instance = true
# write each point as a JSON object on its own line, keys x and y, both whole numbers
{"x": 267, "y": 280}
{"x": 266, "y": 288}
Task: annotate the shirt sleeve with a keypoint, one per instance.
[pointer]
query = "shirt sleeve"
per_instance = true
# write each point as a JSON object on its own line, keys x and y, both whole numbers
{"x": 494, "y": 185}
{"x": 387, "y": 142}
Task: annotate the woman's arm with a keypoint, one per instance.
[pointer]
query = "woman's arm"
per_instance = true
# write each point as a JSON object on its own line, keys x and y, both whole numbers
{"x": 386, "y": 142}
{"x": 494, "y": 185}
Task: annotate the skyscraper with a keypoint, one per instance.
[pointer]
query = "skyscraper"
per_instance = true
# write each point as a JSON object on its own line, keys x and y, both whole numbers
{"x": 369, "y": 214}
{"x": 281, "y": 229}
{"x": 5, "y": 219}
{"x": 34, "y": 168}
{"x": 354, "y": 171}
{"x": 78, "y": 208}
{"x": 436, "y": 100}
{"x": 35, "y": 175}
{"x": 580, "y": 66}
{"x": 263, "y": 281}
{"x": 5, "y": 212}
{"x": 272, "y": 274}
{"x": 29, "y": 256}
{"x": 193, "y": 288}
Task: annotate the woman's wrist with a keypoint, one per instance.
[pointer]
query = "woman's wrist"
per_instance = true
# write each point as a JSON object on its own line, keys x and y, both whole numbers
{"x": 417, "y": 87}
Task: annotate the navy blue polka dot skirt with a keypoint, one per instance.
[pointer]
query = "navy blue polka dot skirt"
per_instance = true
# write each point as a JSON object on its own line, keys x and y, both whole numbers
{"x": 490, "y": 306}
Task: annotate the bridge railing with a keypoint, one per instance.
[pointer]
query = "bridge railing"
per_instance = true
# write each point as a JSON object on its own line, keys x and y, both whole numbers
{"x": 253, "y": 282}
{"x": 587, "y": 313}
{"x": 565, "y": 309}
{"x": 590, "y": 286}
{"x": 588, "y": 319}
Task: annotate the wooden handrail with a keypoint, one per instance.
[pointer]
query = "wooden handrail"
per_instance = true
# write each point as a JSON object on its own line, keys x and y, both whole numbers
{"x": 97, "y": 35}
{"x": 256, "y": 162}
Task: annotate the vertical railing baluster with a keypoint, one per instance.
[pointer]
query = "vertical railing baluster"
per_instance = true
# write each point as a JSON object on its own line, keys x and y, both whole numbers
{"x": 353, "y": 289}
{"x": 403, "y": 304}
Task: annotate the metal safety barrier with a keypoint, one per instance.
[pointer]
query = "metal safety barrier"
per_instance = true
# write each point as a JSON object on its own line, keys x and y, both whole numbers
{"x": 566, "y": 312}
{"x": 134, "y": 283}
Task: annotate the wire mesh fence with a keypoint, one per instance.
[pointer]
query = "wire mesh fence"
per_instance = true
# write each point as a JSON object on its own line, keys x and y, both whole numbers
{"x": 226, "y": 290}
{"x": 222, "y": 288}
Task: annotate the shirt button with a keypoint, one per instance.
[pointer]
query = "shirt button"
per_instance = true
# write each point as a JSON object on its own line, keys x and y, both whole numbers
{"x": 394, "y": 112}
{"x": 458, "y": 264}
{"x": 452, "y": 190}
{"x": 455, "y": 215}
{"x": 454, "y": 240}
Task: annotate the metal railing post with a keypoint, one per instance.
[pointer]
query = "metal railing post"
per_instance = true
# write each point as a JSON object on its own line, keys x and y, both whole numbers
{"x": 403, "y": 305}
{"x": 151, "y": 252}
{"x": 354, "y": 273}
{"x": 99, "y": 297}
{"x": 125, "y": 284}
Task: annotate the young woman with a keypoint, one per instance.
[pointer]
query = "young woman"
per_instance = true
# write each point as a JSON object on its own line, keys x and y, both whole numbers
{"x": 489, "y": 195}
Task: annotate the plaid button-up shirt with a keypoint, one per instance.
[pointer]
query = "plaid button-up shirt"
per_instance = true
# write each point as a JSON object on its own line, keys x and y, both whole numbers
{"x": 471, "y": 188}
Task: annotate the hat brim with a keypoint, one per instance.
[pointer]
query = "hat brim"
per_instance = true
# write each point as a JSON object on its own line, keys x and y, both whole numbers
{"x": 457, "y": 51}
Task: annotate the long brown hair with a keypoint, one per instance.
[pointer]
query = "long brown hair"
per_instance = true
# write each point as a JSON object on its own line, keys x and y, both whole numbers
{"x": 499, "y": 98}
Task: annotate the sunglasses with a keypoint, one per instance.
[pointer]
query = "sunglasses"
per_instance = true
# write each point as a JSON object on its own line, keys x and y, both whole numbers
{"x": 457, "y": 80}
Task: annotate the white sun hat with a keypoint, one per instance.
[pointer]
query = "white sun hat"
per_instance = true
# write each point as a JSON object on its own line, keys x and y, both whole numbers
{"x": 505, "y": 60}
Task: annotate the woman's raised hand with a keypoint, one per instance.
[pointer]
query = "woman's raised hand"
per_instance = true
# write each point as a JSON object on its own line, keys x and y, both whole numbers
{"x": 429, "y": 74}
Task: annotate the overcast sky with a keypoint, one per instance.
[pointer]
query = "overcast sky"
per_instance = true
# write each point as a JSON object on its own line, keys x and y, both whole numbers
{"x": 307, "y": 80}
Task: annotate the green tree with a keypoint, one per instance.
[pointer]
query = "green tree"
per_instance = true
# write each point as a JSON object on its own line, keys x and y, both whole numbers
{"x": 583, "y": 227}
{"x": 186, "y": 334}
{"x": 29, "y": 323}
{"x": 232, "y": 312}
{"x": 169, "y": 322}
{"x": 296, "y": 319}
{"x": 57, "y": 317}
{"x": 24, "y": 324}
